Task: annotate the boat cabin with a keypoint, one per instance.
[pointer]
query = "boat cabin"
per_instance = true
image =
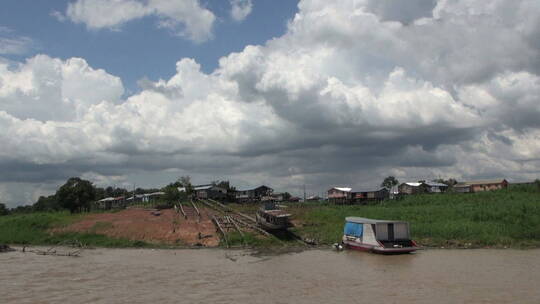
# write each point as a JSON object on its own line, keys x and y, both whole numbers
{"x": 269, "y": 216}
{"x": 377, "y": 235}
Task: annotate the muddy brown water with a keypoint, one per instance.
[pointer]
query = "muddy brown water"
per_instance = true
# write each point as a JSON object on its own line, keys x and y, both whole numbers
{"x": 314, "y": 276}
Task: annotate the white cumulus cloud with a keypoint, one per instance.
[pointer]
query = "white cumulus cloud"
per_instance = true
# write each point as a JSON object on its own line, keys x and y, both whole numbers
{"x": 240, "y": 9}
{"x": 185, "y": 18}
{"x": 350, "y": 93}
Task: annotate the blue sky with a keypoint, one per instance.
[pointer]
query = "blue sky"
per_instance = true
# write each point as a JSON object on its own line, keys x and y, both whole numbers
{"x": 140, "y": 49}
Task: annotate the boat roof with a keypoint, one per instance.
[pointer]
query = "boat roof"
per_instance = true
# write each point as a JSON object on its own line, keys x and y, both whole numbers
{"x": 277, "y": 213}
{"x": 363, "y": 220}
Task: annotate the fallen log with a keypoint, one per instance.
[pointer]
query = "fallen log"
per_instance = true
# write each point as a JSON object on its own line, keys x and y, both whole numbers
{"x": 5, "y": 248}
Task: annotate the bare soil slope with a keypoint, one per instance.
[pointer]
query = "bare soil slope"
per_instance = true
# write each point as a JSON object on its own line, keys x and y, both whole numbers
{"x": 169, "y": 227}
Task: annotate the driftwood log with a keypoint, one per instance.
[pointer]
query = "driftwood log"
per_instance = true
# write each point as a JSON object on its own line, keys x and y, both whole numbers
{"x": 5, "y": 248}
{"x": 77, "y": 248}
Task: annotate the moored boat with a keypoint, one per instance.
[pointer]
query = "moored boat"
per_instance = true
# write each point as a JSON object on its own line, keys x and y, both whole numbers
{"x": 270, "y": 217}
{"x": 379, "y": 236}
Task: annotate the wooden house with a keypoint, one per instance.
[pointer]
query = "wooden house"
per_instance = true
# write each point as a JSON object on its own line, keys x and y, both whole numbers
{"x": 340, "y": 195}
{"x": 370, "y": 195}
{"x": 111, "y": 203}
{"x": 255, "y": 194}
{"x": 434, "y": 187}
{"x": 481, "y": 185}
{"x": 210, "y": 191}
{"x": 412, "y": 188}
{"x": 422, "y": 187}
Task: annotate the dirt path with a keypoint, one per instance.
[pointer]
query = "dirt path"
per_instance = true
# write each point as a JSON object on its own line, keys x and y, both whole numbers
{"x": 140, "y": 224}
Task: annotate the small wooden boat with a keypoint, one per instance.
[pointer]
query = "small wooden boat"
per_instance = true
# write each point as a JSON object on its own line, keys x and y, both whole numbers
{"x": 379, "y": 236}
{"x": 270, "y": 217}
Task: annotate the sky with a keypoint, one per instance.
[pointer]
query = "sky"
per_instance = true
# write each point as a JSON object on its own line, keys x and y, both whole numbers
{"x": 283, "y": 93}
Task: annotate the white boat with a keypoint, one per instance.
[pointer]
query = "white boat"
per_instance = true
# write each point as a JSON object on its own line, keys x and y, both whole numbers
{"x": 379, "y": 236}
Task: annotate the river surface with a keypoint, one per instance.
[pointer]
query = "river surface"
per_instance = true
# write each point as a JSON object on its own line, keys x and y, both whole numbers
{"x": 313, "y": 276}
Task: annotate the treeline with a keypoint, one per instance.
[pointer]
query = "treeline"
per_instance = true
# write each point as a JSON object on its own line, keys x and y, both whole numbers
{"x": 77, "y": 195}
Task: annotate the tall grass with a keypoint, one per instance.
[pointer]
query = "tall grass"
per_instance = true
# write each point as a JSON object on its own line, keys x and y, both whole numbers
{"x": 509, "y": 217}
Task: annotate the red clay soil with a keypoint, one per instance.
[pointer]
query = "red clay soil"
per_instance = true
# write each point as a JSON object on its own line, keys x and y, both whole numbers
{"x": 140, "y": 224}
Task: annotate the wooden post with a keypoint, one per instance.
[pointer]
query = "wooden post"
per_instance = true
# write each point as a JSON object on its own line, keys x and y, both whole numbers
{"x": 196, "y": 209}
{"x": 221, "y": 230}
{"x": 182, "y": 209}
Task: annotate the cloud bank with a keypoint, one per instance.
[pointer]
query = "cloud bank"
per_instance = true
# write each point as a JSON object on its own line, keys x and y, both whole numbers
{"x": 354, "y": 91}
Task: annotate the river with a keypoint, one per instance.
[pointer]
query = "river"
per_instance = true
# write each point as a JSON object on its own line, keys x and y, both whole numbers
{"x": 237, "y": 276}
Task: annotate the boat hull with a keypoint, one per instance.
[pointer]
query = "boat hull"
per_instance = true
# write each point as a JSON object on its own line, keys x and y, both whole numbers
{"x": 378, "y": 249}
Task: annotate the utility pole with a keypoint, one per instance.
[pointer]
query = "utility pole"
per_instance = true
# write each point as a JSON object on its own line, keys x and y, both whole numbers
{"x": 304, "y": 193}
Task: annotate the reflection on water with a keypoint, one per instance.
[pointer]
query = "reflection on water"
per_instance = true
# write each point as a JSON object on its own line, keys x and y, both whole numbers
{"x": 315, "y": 276}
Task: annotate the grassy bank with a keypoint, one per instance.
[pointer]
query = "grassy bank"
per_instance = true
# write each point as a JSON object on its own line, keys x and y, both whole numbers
{"x": 504, "y": 218}
{"x": 33, "y": 229}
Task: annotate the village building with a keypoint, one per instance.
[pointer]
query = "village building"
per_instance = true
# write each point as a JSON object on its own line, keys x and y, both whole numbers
{"x": 313, "y": 198}
{"x": 255, "y": 194}
{"x": 277, "y": 197}
{"x": 111, "y": 203}
{"x": 210, "y": 192}
{"x": 370, "y": 195}
{"x": 340, "y": 195}
{"x": 480, "y": 185}
{"x": 422, "y": 187}
{"x": 434, "y": 187}
{"x": 145, "y": 198}
{"x": 412, "y": 188}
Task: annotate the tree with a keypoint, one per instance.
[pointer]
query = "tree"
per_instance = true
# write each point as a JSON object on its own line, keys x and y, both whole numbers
{"x": 48, "y": 203}
{"x": 3, "y": 210}
{"x": 22, "y": 209}
{"x": 186, "y": 183}
{"x": 286, "y": 196}
{"x": 171, "y": 193}
{"x": 76, "y": 194}
{"x": 449, "y": 182}
{"x": 389, "y": 182}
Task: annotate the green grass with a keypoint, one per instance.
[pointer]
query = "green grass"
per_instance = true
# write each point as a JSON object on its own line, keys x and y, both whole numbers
{"x": 504, "y": 218}
{"x": 33, "y": 229}
{"x": 501, "y": 218}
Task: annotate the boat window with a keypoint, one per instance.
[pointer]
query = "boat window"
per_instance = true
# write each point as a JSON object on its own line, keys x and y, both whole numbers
{"x": 353, "y": 229}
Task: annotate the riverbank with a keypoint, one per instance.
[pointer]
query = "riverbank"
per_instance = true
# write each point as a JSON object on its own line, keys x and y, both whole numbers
{"x": 507, "y": 218}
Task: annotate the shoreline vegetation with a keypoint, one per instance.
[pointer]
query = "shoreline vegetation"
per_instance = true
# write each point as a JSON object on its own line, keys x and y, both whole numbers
{"x": 507, "y": 218}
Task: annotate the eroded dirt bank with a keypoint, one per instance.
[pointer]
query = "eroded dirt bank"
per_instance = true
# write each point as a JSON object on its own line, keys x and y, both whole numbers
{"x": 169, "y": 227}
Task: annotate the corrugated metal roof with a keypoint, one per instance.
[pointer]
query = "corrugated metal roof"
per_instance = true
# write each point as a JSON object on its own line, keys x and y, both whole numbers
{"x": 344, "y": 189}
{"x": 363, "y": 220}
{"x": 364, "y": 190}
{"x": 106, "y": 199}
{"x": 202, "y": 187}
{"x": 154, "y": 193}
{"x": 434, "y": 184}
